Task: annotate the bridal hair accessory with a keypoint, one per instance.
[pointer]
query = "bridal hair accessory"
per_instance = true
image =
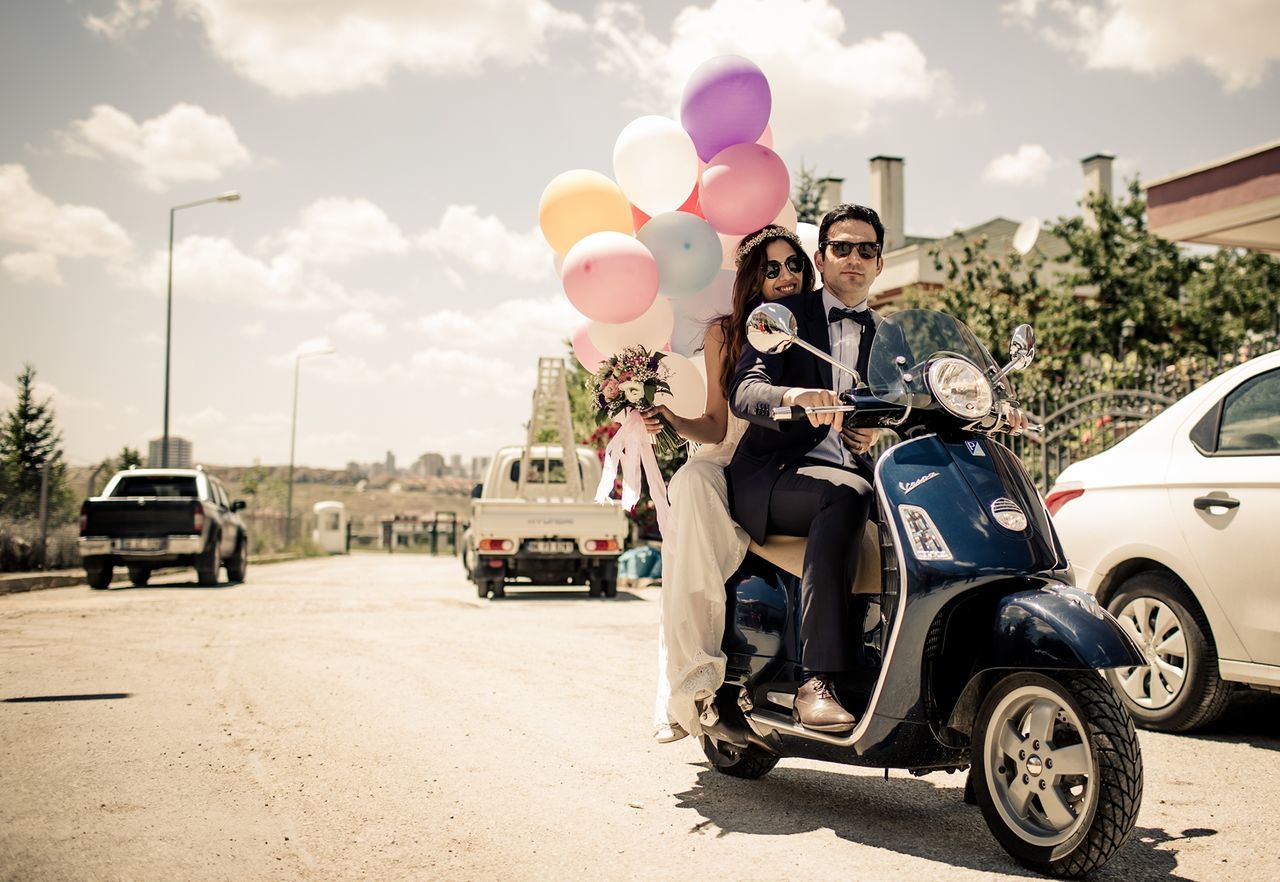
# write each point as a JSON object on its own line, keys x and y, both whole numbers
{"x": 769, "y": 232}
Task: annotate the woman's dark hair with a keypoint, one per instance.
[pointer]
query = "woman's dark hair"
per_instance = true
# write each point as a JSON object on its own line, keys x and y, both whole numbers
{"x": 748, "y": 293}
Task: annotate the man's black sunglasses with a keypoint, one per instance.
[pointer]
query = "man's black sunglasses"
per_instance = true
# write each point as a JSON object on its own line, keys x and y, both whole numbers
{"x": 773, "y": 269}
{"x": 842, "y": 248}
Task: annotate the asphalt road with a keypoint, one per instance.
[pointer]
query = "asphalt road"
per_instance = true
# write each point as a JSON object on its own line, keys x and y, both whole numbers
{"x": 368, "y": 717}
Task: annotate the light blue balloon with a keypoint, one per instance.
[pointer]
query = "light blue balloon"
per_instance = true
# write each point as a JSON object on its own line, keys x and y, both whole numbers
{"x": 687, "y": 251}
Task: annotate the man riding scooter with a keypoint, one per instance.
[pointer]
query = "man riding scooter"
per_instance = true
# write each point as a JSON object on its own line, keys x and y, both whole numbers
{"x": 815, "y": 480}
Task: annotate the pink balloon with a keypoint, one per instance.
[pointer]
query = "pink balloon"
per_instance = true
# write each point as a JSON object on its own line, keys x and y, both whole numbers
{"x": 610, "y": 277}
{"x": 585, "y": 351}
{"x": 766, "y": 139}
{"x": 744, "y": 188}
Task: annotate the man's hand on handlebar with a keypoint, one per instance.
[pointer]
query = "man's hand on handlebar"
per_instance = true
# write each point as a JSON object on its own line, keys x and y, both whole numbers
{"x": 816, "y": 398}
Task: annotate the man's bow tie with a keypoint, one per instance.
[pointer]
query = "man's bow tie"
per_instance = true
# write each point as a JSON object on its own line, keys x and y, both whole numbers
{"x": 861, "y": 316}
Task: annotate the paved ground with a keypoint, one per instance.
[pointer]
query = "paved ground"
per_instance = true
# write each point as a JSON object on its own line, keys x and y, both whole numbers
{"x": 369, "y": 718}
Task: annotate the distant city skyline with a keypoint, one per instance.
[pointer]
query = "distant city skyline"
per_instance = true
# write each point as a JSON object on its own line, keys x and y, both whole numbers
{"x": 390, "y": 159}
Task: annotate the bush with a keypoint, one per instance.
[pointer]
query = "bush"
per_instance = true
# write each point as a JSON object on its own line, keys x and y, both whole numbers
{"x": 20, "y": 546}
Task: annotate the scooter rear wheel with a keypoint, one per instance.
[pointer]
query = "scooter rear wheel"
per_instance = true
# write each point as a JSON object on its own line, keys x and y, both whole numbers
{"x": 1057, "y": 771}
{"x": 749, "y": 763}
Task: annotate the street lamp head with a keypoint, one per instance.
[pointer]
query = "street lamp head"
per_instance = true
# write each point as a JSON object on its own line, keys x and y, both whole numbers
{"x": 229, "y": 196}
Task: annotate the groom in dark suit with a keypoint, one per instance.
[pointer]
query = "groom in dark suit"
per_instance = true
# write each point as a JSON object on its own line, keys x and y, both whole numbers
{"x": 814, "y": 479}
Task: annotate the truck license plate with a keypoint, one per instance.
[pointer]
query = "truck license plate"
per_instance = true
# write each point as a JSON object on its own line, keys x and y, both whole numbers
{"x": 546, "y": 546}
{"x": 147, "y": 544}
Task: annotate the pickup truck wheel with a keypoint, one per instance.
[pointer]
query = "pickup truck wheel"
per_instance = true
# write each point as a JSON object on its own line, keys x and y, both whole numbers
{"x": 98, "y": 575}
{"x": 609, "y": 587}
{"x": 498, "y": 588}
{"x": 139, "y": 575}
{"x": 238, "y": 565}
{"x": 209, "y": 562}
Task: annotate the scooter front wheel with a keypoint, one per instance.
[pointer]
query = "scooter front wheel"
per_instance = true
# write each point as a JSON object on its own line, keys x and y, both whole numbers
{"x": 749, "y": 762}
{"x": 1057, "y": 770}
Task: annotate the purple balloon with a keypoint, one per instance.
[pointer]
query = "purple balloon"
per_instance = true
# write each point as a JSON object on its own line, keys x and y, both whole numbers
{"x": 726, "y": 101}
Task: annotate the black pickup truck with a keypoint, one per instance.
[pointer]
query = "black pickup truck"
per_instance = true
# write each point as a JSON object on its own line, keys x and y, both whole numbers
{"x": 146, "y": 518}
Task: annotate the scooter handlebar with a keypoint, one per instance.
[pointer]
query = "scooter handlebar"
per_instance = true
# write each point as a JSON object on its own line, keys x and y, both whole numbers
{"x": 794, "y": 412}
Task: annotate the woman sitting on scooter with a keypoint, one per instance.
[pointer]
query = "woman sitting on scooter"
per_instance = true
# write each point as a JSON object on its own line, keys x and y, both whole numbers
{"x": 771, "y": 264}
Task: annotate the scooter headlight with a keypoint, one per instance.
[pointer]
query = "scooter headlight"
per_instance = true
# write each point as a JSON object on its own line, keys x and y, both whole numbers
{"x": 961, "y": 388}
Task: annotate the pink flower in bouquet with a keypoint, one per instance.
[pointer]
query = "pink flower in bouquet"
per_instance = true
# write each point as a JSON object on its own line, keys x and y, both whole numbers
{"x": 610, "y": 389}
{"x": 625, "y": 375}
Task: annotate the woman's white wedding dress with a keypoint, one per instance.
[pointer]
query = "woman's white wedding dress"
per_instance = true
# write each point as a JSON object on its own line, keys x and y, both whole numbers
{"x": 710, "y": 547}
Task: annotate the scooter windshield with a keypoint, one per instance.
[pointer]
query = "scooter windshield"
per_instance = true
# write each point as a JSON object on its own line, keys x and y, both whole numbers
{"x": 906, "y": 341}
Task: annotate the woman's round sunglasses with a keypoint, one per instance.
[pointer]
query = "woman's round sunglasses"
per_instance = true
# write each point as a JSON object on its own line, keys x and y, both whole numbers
{"x": 794, "y": 263}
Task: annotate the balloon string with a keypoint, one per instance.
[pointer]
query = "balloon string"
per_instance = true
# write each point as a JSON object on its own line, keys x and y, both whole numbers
{"x": 631, "y": 451}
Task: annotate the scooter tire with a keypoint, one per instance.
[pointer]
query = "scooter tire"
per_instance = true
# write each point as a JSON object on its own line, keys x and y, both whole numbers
{"x": 1069, "y": 823}
{"x": 750, "y": 763}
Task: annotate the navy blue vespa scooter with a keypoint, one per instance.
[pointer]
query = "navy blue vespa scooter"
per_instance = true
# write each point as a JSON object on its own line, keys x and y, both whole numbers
{"x": 970, "y": 645}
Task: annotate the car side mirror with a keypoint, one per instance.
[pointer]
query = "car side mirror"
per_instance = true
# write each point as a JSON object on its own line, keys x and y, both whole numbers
{"x": 238, "y": 505}
{"x": 476, "y": 491}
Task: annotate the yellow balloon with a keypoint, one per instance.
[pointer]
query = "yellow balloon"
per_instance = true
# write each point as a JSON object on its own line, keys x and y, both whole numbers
{"x": 581, "y": 202}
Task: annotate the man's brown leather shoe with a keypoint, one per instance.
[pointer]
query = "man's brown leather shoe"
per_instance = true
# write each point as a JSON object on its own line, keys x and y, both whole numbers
{"x": 818, "y": 708}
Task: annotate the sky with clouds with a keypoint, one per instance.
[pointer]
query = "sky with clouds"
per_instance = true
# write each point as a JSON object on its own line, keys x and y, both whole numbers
{"x": 390, "y": 157}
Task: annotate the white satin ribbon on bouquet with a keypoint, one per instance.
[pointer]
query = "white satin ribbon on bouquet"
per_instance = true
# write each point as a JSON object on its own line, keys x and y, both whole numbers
{"x": 632, "y": 451}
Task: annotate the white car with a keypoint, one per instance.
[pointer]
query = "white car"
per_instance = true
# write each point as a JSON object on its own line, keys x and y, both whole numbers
{"x": 1176, "y": 529}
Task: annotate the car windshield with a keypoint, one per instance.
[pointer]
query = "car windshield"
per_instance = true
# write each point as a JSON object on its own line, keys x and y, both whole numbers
{"x": 915, "y": 336}
{"x": 157, "y": 485}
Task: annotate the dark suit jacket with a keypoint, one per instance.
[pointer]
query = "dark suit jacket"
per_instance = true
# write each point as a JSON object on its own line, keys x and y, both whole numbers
{"x": 769, "y": 447}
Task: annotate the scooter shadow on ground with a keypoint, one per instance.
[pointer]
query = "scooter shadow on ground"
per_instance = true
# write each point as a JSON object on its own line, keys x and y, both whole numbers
{"x": 904, "y": 814}
{"x": 1251, "y": 718}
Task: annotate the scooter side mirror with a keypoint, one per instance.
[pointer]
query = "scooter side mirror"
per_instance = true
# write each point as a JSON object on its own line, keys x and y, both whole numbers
{"x": 771, "y": 328}
{"x": 1022, "y": 348}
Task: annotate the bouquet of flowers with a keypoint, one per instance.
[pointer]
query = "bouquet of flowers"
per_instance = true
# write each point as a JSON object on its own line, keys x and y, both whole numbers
{"x": 632, "y": 379}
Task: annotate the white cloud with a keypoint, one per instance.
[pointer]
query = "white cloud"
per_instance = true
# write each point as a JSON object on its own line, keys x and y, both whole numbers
{"x": 128, "y": 16}
{"x": 337, "y": 230}
{"x": 307, "y": 47}
{"x": 485, "y": 244}
{"x": 215, "y": 269}
{"x": 254, "y": 329}
{"x": 46, "y": 231}
{"x": 58, "y": 399}
{"x": 208, "y": 418}
{"x": 799, "y": 44}
{"x": 32, "y": 266}
{"x": 1235, "y": 40}
{"x": 360, "y": 324}
{"x": 1026, "y": 165}
{"x": 186, "y": 143}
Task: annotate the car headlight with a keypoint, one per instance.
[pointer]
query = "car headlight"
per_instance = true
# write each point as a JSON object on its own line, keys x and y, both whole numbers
{"x": 961, "y": 388}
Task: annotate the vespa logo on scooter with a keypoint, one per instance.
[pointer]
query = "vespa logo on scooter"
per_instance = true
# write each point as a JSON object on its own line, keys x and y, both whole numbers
{"x": 911, "y": 485}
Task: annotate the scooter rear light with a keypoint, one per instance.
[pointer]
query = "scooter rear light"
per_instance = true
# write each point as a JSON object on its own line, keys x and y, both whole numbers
{"x": 497, "y": 545}
{"x": 926, "y": 542}
{"x": 601, "y": 545}
{"x": 1058, "y": 498}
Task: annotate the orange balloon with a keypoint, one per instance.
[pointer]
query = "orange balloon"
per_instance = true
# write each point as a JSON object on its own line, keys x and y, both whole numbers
{"x": 581, "y": 202}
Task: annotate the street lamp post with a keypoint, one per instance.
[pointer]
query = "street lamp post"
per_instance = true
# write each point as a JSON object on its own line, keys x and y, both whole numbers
{"x": 293, "y": 436}
{"x": 229, "y": 196}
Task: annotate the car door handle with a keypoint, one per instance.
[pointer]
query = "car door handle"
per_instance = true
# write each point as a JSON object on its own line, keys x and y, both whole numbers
{"x": 1204, "y": 503}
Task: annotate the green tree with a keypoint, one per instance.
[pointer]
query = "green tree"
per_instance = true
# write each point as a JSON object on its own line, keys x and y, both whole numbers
{"x": 805, "y": 195}
{"x": 129, "y": 458}
{"x": 29, "y": 439}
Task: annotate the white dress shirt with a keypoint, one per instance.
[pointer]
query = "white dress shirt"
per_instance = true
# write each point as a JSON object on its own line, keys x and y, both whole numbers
{"x": 846, "y": 339}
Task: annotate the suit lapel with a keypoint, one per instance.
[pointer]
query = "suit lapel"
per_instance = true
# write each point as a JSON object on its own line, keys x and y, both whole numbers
{"x": 814, "y": 331}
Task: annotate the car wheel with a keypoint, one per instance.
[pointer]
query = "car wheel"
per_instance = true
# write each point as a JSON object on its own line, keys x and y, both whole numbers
{"x": 209, "y": 561}
{"x": 498, "y": 588}
{"x": 98, "y": 575}
{"x": 139, "y": 576}
{"x": 1180, "y": 688}
{"x": 238, "y": 565}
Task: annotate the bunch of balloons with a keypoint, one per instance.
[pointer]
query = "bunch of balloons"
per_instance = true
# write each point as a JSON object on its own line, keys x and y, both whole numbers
{"x": 647, "y": 257}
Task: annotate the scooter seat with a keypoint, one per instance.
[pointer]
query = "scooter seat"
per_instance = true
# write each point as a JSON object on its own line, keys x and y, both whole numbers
{"x": 787, "y": 552}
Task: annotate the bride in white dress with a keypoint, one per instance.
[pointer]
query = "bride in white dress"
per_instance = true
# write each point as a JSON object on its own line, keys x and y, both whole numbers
{"x": 770, "y": 264}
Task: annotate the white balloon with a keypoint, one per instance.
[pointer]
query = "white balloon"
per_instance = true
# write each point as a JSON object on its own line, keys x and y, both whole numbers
{"x": 808, "y": 234}
{"x": 651, "y": 330}
{"x": 787, "y": 217}
{"x": 655, "y": 164}
{"x": 688, "y": 396}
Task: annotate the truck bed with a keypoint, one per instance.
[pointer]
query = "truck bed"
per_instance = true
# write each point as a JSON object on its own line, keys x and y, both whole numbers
{"x": 518, "y": 519}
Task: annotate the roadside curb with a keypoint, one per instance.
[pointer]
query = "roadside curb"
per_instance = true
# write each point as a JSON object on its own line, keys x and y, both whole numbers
{"x": 16, "y": 583}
